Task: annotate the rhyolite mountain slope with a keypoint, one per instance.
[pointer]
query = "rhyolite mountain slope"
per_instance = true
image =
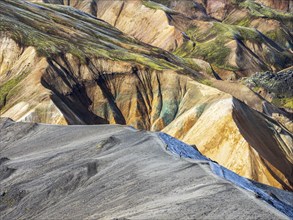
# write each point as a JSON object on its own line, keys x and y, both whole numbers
{"x": 116, "y": 172}
{"x": 229, "y": 38}
{"x": 62, "y": 66}
{"x": 237, "y": 37}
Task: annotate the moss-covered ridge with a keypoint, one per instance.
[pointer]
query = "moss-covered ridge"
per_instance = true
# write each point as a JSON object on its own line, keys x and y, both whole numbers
{"x": 55, "y": 30}
{"x": 262, "y": 11}
{"x": 208, "y": 39}
{"x": 211, "y": 44}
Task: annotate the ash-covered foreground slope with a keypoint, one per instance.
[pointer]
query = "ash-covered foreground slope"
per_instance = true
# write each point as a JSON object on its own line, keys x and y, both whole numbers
{"x": 105, "y": 172}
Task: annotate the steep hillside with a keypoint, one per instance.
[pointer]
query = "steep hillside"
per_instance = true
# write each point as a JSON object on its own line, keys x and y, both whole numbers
{"x": 238, "y": 38}
{"x": 226, "y": 39}
{"x": 62, "y": 66}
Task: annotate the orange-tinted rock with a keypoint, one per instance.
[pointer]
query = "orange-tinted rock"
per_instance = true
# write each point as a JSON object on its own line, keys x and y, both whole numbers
{"x": 283, "y": 5}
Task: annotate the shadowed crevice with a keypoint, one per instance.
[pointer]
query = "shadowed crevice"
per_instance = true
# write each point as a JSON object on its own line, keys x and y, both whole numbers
{"x": 74, "y": 105}
{"x": 259, "y": 133}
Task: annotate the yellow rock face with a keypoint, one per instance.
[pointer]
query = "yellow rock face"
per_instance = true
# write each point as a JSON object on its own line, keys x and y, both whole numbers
{"x": 148, "y": 25}
{"x": 132, "y": 17}
{"x": 218, "y": 135}
{"x": 28, "y": 100}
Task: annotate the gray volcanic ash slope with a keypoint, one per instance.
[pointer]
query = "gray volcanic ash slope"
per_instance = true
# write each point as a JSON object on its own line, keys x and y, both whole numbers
{"x": 113, "y": 171}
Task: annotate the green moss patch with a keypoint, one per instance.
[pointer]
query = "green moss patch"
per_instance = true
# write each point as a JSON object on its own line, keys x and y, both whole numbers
{"x": 210, "y": 44}
{"x": 262, "y": 11}
{"x": 159, "y": 5}
{"x": 7, "y": 88}
{"x": 283, "y": 102}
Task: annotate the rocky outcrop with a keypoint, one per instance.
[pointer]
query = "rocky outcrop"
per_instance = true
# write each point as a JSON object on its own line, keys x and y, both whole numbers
{"x": 275, "y": 87}
{"x": 144, "y": 23}
{"x": 283, "y": 5}
{"x": 217, "y": 9}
